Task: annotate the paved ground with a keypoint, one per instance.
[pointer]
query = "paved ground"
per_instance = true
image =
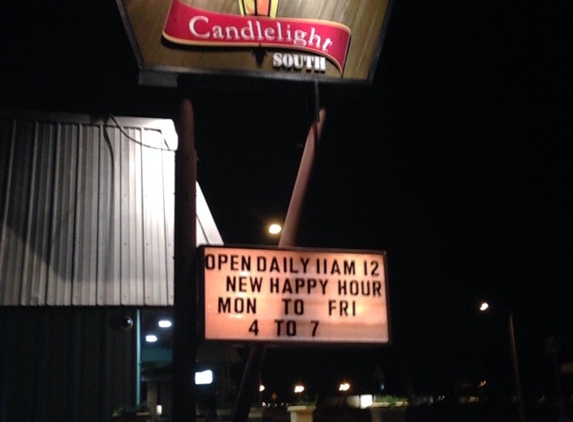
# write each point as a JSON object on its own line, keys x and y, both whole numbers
{"x": 414, "y": 414}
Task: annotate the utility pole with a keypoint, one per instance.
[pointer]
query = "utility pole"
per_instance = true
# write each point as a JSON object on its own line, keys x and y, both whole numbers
{"x": 516, "y": 369}
{"x": 484, "y": 306}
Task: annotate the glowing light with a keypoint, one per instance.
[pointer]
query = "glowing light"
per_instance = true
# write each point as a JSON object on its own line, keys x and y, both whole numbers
{"x": 298, "y": 388}
{"x": 483, "y": 306}
{"x": 164, "y": 323}
{"x": 344, "y": 386}
{"x": 275, "y": 228}
{"x": 151, "y": 338}
{"x": 203, "y": 378}
{"x": 366, "y": 400}
{"x": 261, "y": 388}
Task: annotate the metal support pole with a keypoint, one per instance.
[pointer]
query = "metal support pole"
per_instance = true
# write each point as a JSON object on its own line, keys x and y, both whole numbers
{"x": 249, "y": 383}
{"x": 516, "y": 369}
{"x": 292, "y": 220}
{"x": 184, "y": 285}
{"x": 257, "y": 352}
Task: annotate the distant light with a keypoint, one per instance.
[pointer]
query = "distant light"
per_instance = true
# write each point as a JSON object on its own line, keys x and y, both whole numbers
{"x": 483, "y": 306}
{"x": 366, "y": 400}
{"x": 298, "y": 388}
{"x": 151, "y": 338}
{"x": 204, "y": 378}
{"x": 164, "y": 323}
{"x": 344, "y": 386}
{"x": 261, "y": 387}
{"x": 275, "y": 228}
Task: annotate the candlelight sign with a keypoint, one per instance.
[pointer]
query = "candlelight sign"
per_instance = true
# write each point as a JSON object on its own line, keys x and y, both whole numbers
{"x": 293, "y": 295}
{"x": 325, "y": 40}
{"x": 189, "y": 25}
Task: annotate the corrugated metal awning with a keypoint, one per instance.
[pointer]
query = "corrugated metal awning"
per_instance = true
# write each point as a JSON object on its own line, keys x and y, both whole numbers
{"x": 87, "y": 210}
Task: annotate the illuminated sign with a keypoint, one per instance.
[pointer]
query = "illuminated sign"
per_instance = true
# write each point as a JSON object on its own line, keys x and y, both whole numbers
{"x": 187, "y": 25}
{"x": 293, "y": 295}
{"x": 324, "y": 40}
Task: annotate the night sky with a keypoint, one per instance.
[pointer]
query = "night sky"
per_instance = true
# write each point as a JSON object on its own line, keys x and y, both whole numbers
{"x": 455, "y": 162}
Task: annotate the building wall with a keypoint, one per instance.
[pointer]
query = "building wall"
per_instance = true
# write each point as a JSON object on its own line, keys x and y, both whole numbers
{"x": 87, "y": 210}
{"x": 86, "y": 238}
{"x": 65, "y": 364}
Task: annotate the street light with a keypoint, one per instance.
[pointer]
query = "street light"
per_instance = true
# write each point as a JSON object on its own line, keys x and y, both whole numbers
{"x": 484, "y": 306}
{"x": 274, "y": 229}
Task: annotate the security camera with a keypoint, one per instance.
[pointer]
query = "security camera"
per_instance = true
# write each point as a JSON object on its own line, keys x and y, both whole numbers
{"x": 126, "y": 323}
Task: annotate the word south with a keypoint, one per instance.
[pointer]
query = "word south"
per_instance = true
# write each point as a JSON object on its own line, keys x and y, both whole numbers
{"x": 299, "y": 62}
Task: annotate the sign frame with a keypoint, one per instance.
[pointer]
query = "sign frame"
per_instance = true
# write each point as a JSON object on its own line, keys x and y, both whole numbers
{"x": 209, "y": 257}
{"x": 162, "y": 69}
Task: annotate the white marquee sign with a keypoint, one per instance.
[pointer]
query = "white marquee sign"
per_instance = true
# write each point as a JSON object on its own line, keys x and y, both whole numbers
{"x": 294, "y": 295}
